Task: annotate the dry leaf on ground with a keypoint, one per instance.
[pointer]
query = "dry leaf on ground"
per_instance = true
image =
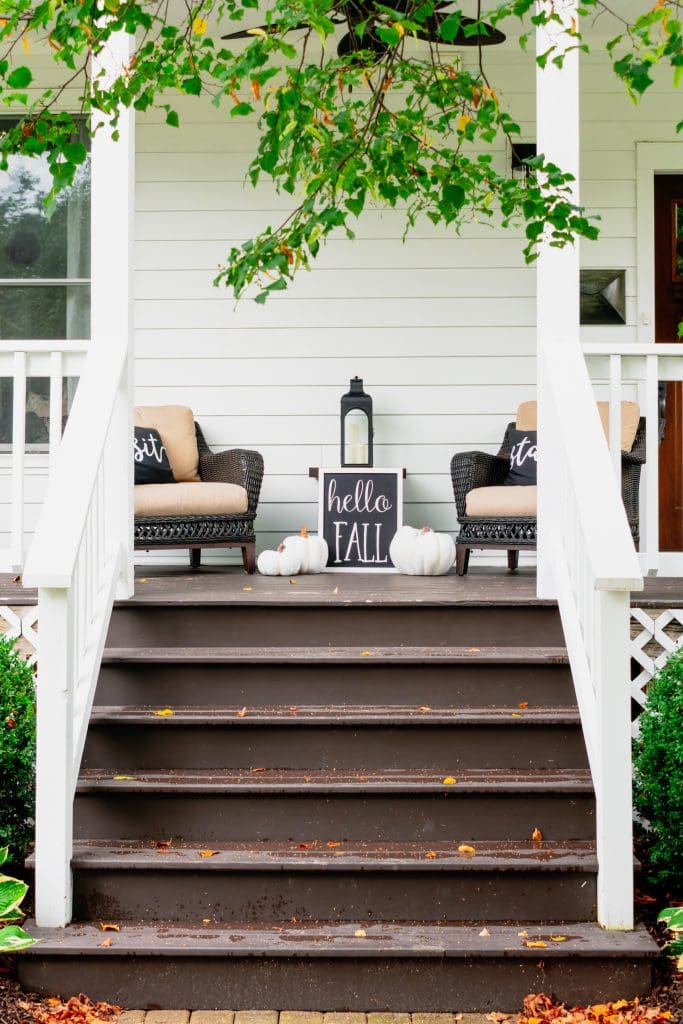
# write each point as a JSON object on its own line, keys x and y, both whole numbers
{"x": 79, "y": 1010}
{"x": 536, "y": 944}
{"x": 208, "y": 853}
{"x": 542, "y": 1009}
{"x": 360, "y": 934}
{"x": 537, "y": 835}
{"x": 470, "y": 850}
{"x": 242, "y": 713}
{"x": 164, "y": 713}
{"x": 431, "y": 855}
{"x": 449, "y": 781}
{"x": 106, "y": 927}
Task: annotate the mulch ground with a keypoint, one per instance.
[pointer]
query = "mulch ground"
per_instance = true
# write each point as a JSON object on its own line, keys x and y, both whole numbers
{"x": 19, "y": 1007}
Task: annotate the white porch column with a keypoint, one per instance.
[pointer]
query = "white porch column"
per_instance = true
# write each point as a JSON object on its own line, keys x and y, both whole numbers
{"x": 112, "y": 223}
{"x": 557, "y": 280}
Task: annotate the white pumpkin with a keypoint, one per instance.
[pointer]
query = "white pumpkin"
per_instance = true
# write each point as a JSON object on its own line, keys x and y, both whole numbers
{"x": 283, "y": 562}
{"x": 312, "y": 551}
{"x": 421, "y": 552}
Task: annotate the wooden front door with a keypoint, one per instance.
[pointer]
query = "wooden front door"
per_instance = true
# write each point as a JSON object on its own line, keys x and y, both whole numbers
{"x": 668, "y": 315}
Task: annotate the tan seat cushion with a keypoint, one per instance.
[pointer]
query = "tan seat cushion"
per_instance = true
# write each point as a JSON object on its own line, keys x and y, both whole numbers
{"x": 175, "y": 424}
{"x": 501, "y": 501}
{"x": 190, "y": 499}
{"x": 630, "y": 416}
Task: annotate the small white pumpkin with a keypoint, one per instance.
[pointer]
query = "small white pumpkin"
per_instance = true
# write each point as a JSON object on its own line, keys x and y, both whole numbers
{"x": 282, "y": 562}
{"x": 312, "y": 551}
{"x": 421, "y": 552}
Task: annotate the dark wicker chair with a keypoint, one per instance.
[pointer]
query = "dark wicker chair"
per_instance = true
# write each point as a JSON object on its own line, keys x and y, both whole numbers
{"x": 235, "y": 466}
{"x": 480, "y": 469}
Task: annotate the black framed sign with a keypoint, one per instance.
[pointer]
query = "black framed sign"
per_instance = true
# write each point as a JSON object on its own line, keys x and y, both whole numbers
{"x": 359, "y": 511}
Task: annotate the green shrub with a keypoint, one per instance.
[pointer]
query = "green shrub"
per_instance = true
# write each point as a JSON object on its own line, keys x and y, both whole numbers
{"x": 17, "y": 750}
{"x": 658, "y": 778}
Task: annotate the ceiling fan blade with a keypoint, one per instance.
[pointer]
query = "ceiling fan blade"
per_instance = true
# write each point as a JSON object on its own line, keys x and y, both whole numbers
{"x": 253, "y": 30}
{"x": 432, "y": 32}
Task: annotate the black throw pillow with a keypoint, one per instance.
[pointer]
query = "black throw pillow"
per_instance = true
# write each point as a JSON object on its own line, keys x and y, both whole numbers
{"x": 522, "y": 458}
{"x": 151, "y": 461}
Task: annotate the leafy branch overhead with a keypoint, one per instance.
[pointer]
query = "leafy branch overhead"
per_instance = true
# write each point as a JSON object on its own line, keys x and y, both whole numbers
{"x": 358, "y": 103}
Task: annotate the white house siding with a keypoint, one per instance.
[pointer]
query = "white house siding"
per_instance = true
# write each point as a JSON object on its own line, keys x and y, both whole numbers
{"x": 441, "y": 328}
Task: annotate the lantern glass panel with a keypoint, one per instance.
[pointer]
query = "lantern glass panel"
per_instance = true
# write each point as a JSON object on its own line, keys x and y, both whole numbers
{"x": 356, "y": 438}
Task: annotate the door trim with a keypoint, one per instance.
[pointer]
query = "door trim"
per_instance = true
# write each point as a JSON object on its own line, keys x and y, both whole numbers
{"x": 651, "y": 158}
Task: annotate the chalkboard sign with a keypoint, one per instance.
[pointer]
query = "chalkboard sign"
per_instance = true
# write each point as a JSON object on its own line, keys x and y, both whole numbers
{"x": 358, "y": 514}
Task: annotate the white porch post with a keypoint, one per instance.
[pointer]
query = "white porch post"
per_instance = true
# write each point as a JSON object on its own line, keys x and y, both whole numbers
{"x": 113, "y": 193}
{"x": 557, "y": 281}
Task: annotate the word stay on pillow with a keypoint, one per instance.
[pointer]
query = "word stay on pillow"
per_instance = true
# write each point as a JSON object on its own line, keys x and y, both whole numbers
{"x": 151, "y": 460}
{"x": 523, "y": 459}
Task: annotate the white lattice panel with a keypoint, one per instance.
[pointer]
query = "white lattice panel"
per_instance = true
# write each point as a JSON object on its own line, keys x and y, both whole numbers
{"x": 659, "y": 635}
{"x": 21, "y": 623}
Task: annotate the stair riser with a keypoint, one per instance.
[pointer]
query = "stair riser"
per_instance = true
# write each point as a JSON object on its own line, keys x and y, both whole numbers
{"x": 347, "y": 983}
{"x": 259, "y": 896}
{"x": 447, "y": 748}
{"x": 365, "y": 626}
{"x": 205, "y": 817}
{"x": 258, "y": 685}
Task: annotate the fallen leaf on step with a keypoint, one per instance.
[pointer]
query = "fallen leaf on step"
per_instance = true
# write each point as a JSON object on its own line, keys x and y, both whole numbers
{"x": 468, "y": 850}
{"x": 165, "y": 713}
{"x": 537, "y": 835}
{"x": 206, "y": 920}
{"x": 431, "y": 855}
{"x": 449, "y": 781}
{"x": 536, "y": 944}
{"x": 247, "y": 588}
{"x": 333, "y": 844}
{"x": 484, "y": 933}
{"x": 306, "y": 846}
{"x": 360, "y": 934}
{"x": 473, "y": 650}
{"x": 515, "y": 714}
{"x": 293, "y": 920}
{"x": 424, "y": 707}
{"x": 523, "y": 935}
{"x": 124, "y": 778}
{"x": 336, "y": 590}
{"x": 257, "y": 769}
{"x": 106, "y": 927}
{"x": 242, "y": 713}
{"x": 163, "y": 845}
{"x": 143, "y": 579}
{"x": 523, "y": 704}
{"x": 105, "y": 943}
{"x": 208, "y": 853}
{"x": 558, "y": 938}
{"x": 292, "y": 582}
{"x": 365, "y": 654}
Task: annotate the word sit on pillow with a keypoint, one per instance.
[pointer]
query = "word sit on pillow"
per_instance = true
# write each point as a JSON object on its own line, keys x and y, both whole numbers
{"x": 523, "y": 459}
{"x": 151, "y": 459}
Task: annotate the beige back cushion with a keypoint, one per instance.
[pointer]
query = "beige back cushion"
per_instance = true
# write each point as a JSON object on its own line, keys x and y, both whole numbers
{"x": 630, "y": 415}
{"x": 175, "y": 424}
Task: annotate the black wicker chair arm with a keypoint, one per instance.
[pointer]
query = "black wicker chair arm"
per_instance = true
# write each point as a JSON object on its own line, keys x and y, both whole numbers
{"x": 475, "y": 469}
{"x": 233, "y": 466}
{"x": 636, "y": 456}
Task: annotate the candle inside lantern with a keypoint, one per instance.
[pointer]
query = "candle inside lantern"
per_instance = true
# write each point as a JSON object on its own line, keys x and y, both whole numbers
{"x": 356, "y": 438}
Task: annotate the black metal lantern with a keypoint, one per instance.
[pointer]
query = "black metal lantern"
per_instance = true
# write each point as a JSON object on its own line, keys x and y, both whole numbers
{"x": 356, "y": 426}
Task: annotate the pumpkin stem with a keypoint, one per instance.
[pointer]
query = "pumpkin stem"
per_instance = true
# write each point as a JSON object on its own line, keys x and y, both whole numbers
{"x": 426, "y": 529}
{"x": 304, "y": 531}
{"x": 280, "y": 548}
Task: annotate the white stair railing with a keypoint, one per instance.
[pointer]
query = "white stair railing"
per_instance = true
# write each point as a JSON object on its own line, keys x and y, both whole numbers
{"x": 81, "y": 558}
{"x": 594, "y": 568}
{"x": 20, "y": 362}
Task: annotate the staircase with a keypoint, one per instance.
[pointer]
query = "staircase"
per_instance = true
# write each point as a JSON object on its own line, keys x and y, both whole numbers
{"x": 282, "y": 788}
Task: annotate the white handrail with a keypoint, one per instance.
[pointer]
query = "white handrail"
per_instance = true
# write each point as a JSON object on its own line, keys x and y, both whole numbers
{"x": 82, "y": 554}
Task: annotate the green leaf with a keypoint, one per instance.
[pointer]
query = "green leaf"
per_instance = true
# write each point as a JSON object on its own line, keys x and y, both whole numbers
{"x": 241, "y": 110}
{"x": 172, "y": 118}
{"x": 4, "y": 854}
{"x": 13, "y": 938}
{"x": 192, "y": 86}
{"x": 12, "y": 892}
{"x": 19, "y": 78}
{"x": 672, "y": 917}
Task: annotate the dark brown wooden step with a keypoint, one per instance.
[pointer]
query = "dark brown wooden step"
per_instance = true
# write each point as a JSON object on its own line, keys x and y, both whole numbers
{"x": 379, "y": 805}
{"x": 346, "y": 675}
{"x": 339, "y": 737}
{"x": 334, "y": 880}
{"x": 251, "y": 624}
{"x": 339, "y": 966}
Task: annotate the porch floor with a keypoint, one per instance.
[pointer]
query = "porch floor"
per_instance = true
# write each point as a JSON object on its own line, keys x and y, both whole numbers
{"x": 223, "y": 585}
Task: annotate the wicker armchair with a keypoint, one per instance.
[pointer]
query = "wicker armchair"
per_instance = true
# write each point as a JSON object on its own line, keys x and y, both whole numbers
{"x": 480, "y": 469}
{"x": 235, "y": 466}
